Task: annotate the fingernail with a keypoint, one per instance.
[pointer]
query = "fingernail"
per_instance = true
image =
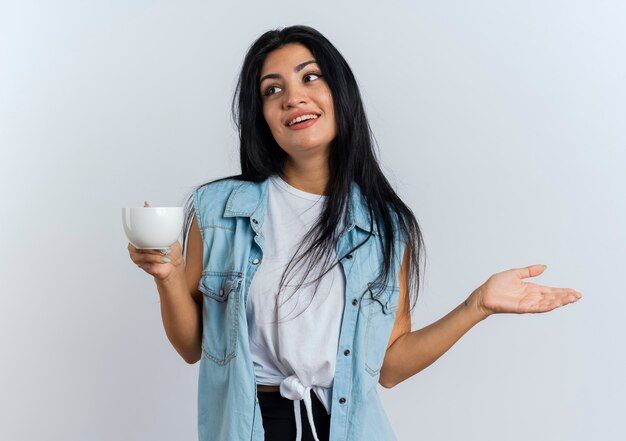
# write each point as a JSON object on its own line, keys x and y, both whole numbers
{"x": 166, "y": 260}
{"x": 545, "y": 267}
{"x": 164, "y": 251}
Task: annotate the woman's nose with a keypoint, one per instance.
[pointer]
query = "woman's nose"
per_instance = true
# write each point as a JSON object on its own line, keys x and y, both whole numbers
{"x": 294, "y": 96}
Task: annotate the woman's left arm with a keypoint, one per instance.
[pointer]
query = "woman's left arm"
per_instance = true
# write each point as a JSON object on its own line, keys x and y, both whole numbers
{"x": 506, "y": 292}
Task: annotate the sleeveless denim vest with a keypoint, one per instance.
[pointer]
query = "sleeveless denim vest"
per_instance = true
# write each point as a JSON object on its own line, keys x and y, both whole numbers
{"x": 230, "y": 216}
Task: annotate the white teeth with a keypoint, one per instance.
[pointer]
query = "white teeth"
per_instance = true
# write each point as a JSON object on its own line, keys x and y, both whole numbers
{"x": 302, "y": 118}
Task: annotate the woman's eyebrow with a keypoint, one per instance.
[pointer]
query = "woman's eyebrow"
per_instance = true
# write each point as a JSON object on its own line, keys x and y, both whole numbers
{"x": 301, "y": 66}
{"x": 296, "y": 69}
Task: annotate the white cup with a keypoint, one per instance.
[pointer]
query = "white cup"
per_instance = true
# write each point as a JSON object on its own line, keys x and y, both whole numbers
{"x": 152, "y": 227}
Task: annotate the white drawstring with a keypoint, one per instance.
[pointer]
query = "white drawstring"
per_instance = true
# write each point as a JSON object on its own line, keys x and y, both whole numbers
{"x": 293, "y": 389}
{"x": 296, "y": 409}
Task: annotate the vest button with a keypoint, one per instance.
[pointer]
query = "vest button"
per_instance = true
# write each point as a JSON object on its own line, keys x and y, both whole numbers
{"x": 254, "y": 221}
{"x": 346, "y": 352}
{"x": 355, "y": 301}
{"x": 342, "y": 400}
{"x": 349, "y": 256}
{"x": 255, "y": 261}
{"x": 221, "y": 292}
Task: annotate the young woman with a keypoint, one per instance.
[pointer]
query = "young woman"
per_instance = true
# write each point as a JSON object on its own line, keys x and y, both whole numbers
{"x": 301, "y": 272}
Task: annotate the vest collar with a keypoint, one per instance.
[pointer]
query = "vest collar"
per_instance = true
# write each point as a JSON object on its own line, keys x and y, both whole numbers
{"x": 249, "y": 199}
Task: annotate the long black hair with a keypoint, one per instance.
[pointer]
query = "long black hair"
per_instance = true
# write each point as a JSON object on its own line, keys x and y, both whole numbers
{"x": 351, "y": 159}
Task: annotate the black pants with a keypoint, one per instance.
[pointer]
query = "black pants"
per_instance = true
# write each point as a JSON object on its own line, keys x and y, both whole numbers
{"x": 279, "y": 420}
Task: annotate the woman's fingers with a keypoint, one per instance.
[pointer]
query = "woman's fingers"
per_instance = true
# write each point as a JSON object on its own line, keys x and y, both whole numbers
{"x": 158, "y": 263}
{"x": 530, "y": 271}
{"x": 568, "y": 296}
{"x": 564, "y": 293}
{"x": 141, "y": 257}
{"x": 546, "y": 298}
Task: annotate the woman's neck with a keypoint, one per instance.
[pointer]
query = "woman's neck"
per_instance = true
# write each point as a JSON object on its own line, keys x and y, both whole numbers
{"x": 309, "y": 176}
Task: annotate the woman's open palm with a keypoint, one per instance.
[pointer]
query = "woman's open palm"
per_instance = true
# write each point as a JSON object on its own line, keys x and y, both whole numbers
{"x": 508, "y": 292}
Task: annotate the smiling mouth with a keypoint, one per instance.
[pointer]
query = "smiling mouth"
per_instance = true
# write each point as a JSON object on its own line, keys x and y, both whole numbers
{"x": 302, "y": 119}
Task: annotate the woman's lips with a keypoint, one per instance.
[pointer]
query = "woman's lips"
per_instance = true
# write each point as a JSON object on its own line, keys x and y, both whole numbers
{"x": 303, "y": 125}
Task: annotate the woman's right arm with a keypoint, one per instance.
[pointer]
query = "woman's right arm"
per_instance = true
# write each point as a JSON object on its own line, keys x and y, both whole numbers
{"x": 177, "y": 284}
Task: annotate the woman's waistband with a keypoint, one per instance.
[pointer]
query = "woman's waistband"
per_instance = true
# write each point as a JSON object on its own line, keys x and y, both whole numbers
{"x": 264, "y": 388}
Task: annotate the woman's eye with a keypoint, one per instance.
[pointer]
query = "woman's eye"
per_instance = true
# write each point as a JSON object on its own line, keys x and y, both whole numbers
{"x": 311, "y": 77}
{"x": 271, "y": 90}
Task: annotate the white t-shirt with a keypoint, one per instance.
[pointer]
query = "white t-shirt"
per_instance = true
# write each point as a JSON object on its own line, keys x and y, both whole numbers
{"x": 294, "y": 345}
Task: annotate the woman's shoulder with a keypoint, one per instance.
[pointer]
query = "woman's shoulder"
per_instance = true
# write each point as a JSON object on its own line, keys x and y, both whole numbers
{"x": 215, "y": 195}
{"x": 219, "y": 186}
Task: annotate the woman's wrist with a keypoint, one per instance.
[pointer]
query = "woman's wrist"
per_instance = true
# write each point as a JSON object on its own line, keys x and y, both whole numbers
{"x": 475, "y": 307}
{"x": 174, "y": 278}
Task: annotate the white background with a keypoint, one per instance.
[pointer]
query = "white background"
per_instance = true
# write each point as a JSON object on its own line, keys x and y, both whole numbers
{"x": 501, "y": 123}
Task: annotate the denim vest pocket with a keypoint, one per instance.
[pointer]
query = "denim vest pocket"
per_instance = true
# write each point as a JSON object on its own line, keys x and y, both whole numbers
{"x": 220, "y": 314}
{"x": 380, "y": 310}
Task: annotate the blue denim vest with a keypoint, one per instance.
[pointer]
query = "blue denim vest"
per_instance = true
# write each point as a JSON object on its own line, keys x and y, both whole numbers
{"x": 230, "y": 216}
